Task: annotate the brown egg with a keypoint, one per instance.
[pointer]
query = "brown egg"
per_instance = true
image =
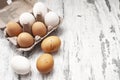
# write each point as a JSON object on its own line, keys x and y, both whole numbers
{"x": 45, "y": 63}
{"x": 51, "y": 44}
{"x": 25, "y": 40}
{"x": 13, "y": 29}
{"x": 38, "y": 28}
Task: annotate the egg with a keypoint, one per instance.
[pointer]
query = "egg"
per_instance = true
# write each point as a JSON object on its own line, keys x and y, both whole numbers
{"x": 38, "y": 28}
{"x": 20, "y": 65}
{"x": 13, "y": 29}
{"x": 51, "y": 19}
{"x": 25, "y": 40}
{"x": 39, "y": 8}
{"x": 26, "y": 18}
{"x": 45, "y": 63}
{"x": 51, "y": 44}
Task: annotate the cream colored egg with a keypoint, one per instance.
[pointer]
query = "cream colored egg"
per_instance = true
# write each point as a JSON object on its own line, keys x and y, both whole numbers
{"x": 51, "y": 19}
{"x": 39, "y": 8}
{"x": 20, "y": 65}
{"x": 26, "y": 18}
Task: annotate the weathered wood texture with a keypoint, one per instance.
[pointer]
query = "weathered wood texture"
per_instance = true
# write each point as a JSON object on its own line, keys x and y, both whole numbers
{"x": 90, "y": 49}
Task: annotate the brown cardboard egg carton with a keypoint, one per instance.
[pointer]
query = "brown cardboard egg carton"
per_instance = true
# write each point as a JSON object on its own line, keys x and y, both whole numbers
{"x": 37, "y": 39}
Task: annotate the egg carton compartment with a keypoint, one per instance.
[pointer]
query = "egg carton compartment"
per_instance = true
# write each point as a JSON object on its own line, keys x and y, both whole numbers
{"x": 37, "y": 38}
{"x": 13, "y": 10}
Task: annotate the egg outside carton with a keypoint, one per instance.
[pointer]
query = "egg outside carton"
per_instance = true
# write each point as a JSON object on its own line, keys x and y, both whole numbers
{"x": 37, "y": 38}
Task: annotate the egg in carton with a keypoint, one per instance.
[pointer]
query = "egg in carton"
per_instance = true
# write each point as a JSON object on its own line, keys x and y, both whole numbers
{"x": 28, "y": 21}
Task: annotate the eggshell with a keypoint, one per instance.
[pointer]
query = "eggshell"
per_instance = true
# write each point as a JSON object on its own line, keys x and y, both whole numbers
{"x": 51, "y": 19}
{"x": 25, "y": 40}
{"x": 20, "y": 65}
{"x": 39, "y": 29}
{"x": 26, "y": 18}
{"x": 51, "y": 44}
{"x": 13, "y": 29}
{"x": 45, "y": 63}
{"x": 39, "y": 8}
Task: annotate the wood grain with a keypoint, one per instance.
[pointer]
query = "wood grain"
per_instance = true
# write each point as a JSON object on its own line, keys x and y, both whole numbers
{"x": 90, "y": 50}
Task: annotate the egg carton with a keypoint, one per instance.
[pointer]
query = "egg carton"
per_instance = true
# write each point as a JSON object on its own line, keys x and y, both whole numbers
{"x": 37, "y": 39}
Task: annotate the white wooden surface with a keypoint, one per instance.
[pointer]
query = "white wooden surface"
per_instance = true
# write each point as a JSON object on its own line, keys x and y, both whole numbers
{"x": 90, "y": 49}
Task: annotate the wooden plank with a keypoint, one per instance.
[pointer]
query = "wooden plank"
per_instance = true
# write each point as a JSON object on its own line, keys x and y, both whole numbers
{"x": 110, "y": 41}
{"x": 90, "y": 55}
{"x": 7, "y": 51}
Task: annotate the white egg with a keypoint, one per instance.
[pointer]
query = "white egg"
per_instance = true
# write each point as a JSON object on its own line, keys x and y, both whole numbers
{"x": 39, "y": 8}
{"x": 20, "y": 65}
{"x": 51, "y": 19}
{"x": 26, "y": 18}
